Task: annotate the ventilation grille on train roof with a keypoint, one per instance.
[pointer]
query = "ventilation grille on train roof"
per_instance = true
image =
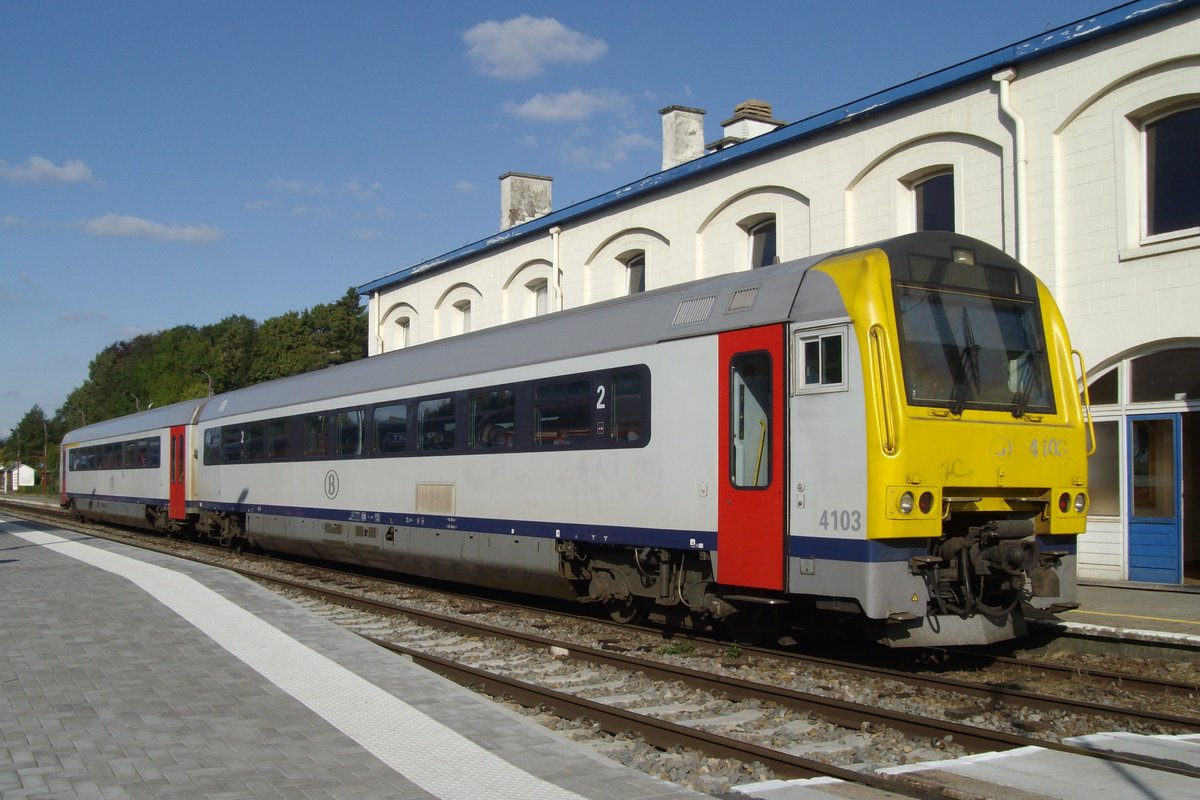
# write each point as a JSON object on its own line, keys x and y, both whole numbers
{"x": 694, "y": 310}
{"x": 742, "y": 299}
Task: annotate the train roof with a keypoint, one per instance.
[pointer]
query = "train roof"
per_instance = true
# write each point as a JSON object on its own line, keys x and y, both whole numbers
{"x": 149, "y": 421}
{"x": 726, "y": 302}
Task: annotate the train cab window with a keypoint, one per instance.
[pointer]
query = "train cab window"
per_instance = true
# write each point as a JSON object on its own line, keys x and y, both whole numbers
{"x": 316, "y": 438}
{"x": 436, "y": 424}
{"x": 348, "y": 433}
{"x": 391, "y": 429}
{"x": 493, "y": 419}
{"x": 820, "y": 361}
{"x": 562, "y": 414}
{"x": 750, "y": 420}
{"x": 628, "y": 407}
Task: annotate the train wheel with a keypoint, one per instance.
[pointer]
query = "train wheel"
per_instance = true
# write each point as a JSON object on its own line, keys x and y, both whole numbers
{"x": 629, "y": 610}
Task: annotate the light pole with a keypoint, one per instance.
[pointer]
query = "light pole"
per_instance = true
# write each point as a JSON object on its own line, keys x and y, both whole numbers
{"x": 137, "y": 404}
{"x": 45, "y": 456}
{"x": 80, "y": 413}
{"x": 205, "y": 374}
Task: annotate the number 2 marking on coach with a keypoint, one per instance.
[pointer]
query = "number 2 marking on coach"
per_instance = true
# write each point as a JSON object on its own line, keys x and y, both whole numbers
{"x": 600, "y": 398}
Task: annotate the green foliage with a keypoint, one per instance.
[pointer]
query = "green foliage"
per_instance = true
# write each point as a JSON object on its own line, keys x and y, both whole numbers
{"x": 158, "y": 369}
{"x": 677, "y": 649}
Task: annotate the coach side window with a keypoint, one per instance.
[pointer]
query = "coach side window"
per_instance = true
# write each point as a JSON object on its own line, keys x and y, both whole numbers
{"x": 316, "y": 439}
{"x": 348, "y": 430}
{"x": 278, "y": 439}
{"x": 436, "y": 424}
{"x": 493, "y": 417}
{"x": 562, "y": 414}
{"x": 628, "y": 405}
{"x": 391, "y": 429}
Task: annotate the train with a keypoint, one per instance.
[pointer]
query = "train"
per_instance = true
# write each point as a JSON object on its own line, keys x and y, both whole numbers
{"x": 889, "y": 439}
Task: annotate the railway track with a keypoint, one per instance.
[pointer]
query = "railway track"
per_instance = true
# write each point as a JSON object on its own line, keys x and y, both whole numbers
{"x": 666, "y": 733}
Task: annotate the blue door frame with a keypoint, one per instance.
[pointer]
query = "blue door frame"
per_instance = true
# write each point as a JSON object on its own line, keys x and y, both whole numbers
{"x": 1155, "y": 496}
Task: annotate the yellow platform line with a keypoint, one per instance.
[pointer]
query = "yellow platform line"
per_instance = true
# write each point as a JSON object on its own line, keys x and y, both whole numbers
{"x": 1135, "y": 616}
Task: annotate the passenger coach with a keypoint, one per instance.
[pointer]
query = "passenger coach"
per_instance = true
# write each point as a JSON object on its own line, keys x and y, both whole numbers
{"x": 891, "y": 432}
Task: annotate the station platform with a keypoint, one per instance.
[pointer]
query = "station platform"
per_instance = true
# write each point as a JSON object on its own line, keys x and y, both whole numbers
{"x": 1137, "y": 613}
{"x": 128, "y": 674}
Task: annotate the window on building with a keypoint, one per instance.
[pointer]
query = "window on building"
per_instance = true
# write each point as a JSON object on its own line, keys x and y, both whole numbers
{"x": 763, "y": 244}
{"x": 1166, "y": 375}
{"x": 464, "y": 315}
{"x": 1104, "y": 470}
{"x": 540, "y": 291}
{"x": 1172, "y": 172}
{"x": 403, "y": 329}
{"x": 934, "y": 200}
{"x": 635, "y": 268}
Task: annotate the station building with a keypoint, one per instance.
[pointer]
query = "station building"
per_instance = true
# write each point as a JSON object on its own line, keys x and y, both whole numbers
{"x": 1077, "y": 151}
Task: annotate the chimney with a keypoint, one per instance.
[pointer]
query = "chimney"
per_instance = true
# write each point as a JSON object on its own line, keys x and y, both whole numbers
{"x": 683, "y": 135}
{"x": 522, "y": 198}
{"x": 750, "y": 118}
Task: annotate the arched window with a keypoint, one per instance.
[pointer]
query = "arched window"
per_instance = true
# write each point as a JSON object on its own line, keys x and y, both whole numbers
{"x": 400, "y": 339}
{"x": 1172, "y": 172}
{"x": 762, "y": 243}
{"x": 934, "y": 202}
{"x": 540, "y": 294}
{"x": 464, "y": 316}
{"x": 635, "y": 268}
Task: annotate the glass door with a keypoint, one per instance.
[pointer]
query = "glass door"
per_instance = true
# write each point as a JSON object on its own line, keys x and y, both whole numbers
{"x": 1155, "y": 494}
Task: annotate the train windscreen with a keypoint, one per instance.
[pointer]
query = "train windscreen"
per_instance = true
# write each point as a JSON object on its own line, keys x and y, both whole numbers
{"x": 971, "y": 336}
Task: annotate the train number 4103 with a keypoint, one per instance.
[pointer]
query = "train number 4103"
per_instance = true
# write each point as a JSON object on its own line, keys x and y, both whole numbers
{"x": 841, "y": 520}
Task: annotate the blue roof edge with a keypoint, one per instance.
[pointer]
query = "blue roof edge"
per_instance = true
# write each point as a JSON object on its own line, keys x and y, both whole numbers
{"x": 1104, "y": 23}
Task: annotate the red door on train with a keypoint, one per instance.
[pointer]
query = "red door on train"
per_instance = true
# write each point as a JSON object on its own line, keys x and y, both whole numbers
{"x": 177, "y": 470}
{"x": 750, "y": 519}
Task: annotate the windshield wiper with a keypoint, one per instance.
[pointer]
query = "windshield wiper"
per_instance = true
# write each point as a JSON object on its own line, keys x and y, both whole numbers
{"x": 968, "y": 371}
{"x": 1028, "y": 377}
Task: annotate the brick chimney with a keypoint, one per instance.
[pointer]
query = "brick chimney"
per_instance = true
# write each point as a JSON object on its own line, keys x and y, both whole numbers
{"x": 683, "y": 135}
{"x": 750, "y": 118}
{"x": 522, "y": 198}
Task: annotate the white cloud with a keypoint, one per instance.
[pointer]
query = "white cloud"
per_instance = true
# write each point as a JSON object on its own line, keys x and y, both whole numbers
{"x": 42, "y": 170}
{"x": 523, "y": 46}
{"x": 382, "y": 212}
{"x": 362, "y": 192}
{"x": 604, "y": 156}
{"x": 259, "y": 204}
{"x": 465, "y": 186}
{"x": 571, "y": 106}
{"x": 295, "y": 186}
{"x": 365, "y": 234}
{"x": 9, "y": 221}
{"x": 135, "y": 227}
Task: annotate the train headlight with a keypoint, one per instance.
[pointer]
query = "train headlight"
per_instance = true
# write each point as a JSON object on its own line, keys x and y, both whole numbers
{"x": 1080, "y": 502}
{"x": 925, "y": 504}
{"x": 905, "y": 503}
{"x": 1064, "y": 502}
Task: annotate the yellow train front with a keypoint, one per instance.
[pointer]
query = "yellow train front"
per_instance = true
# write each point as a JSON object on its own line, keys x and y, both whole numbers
{"x": 974, "y": 447}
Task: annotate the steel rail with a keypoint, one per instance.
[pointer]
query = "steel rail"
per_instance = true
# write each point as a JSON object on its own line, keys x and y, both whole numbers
{"x": 839, "y": 712}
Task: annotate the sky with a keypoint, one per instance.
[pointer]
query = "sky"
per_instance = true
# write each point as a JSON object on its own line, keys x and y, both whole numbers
{"x": 175, "y": 163}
